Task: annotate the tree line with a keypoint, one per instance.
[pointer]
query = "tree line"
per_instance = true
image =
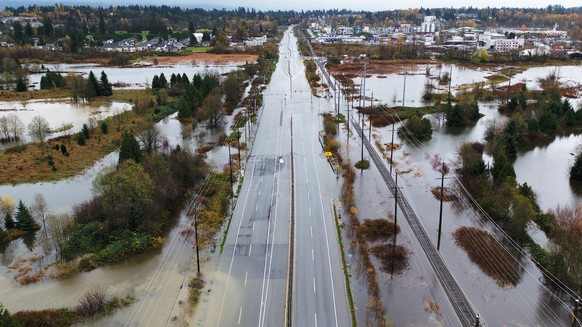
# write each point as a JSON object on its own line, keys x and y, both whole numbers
{"x": 69, "y": 26}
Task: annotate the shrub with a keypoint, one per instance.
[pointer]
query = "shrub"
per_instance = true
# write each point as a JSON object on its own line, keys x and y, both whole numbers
{"x": 92, "y": 302}
{"x": 392, "y": 259}
{"x": 195, "y": 285}
{"x": 363, "y": 164}
{"x": 86, "y": 132}
{"x": 45, "y": 318}
{"x": 81, "y": 140}
{"x": 378, "y": 229}
{"x": 104, "y": 128}
{"x": 16, "y": 149}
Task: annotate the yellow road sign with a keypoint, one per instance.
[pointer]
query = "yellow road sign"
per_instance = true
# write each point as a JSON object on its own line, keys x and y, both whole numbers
{"x": 327, "y": 154}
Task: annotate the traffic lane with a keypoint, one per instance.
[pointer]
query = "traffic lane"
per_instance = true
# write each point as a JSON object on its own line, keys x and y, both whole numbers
{"x": 261, "y": 179}
{"x": 304, "y": 293}
{"x": 316, "y": 298}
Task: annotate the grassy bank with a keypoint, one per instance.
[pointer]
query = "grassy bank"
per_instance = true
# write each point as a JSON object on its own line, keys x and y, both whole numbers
{"x": 92, "y": 305}
{"x": 30, "y": 163}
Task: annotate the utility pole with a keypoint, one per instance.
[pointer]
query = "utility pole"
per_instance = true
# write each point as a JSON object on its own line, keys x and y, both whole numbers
{"x": 337, "y": 86}
{"x": 392, "y": 148}
{"x": 477, "y": 318}
{"x": 396, "y": 202}
{"x": 365, "y": 68}
{"x": 395, "y": 223}
{"x": 369, "y": 128}
{"x": 441, "y": 207}
{"x": 362, "y": 137}
{"x": 353, "y": 92}
{"x": 196, "y": 238}
{"x": 404, "y": 88}
{"x": 450, "y": 80}
{"x": 230, "y": 165}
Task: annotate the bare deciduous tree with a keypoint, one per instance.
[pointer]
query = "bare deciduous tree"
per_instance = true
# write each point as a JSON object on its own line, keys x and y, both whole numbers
{"x": 39, "y": 129}
{"x": 40, "y": 210}
{"x": 151, "y": 139}
{"x": 212, "y": 109}
{"x": 11, "y": 128}
{"x": 93, "y": 301}
{"x": 58, "y": 227}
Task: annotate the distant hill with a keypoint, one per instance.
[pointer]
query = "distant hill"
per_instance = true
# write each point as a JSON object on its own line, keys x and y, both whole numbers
{"x": 107, "y": 3}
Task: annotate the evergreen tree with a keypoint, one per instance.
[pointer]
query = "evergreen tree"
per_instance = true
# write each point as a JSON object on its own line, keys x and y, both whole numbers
{"x": 21, "y": 85}
{"x": 102, "y": 29}
{"x": 5, "y": 318}
{"x": 24, "y": 220}
{"x": 28, "y": 31}
{"x": 206, "y": 37}
{"x": 51, "y": 80}
{"x": 570, "y": 117}
{"x": 575, "y": 172}
{"x": 163, "y": 81}
{"x": 44, "y": 85}
{"x": 197, "y": 81}
{"x": 185, "y": 80}
{"x": 86, "y": 131}
{"x": 9, "y": 221}
{"x": 93, "y": 84}
{"x": 17, "y": 33}
{"x": 502, "y": 168}
{"x": 104, "y": 128}
{"x": 47, "y": 27}
{"x": 548, "y": 122}
{"x": 455, "y": 117}
{"x": 104, "y": 85}
{"x": 81, "y": 139}
{"x": 129, "y": 149}
{"x": 156, "y": 82}
{"x": 173, "y": 82}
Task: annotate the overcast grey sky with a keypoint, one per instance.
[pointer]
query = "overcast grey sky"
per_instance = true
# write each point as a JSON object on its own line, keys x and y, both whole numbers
{"x": 377, "y": 5}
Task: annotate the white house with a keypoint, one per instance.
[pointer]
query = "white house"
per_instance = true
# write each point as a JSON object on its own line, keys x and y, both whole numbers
{"x": 255, "y": 41}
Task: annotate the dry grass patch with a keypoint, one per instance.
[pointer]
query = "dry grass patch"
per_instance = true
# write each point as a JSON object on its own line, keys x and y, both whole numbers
{"x": 392, "y": 259}
{"x": 378, "y": 229}
{"x": 32, "y": 164}
{"x": 447, "y": 196}
{"x": 484, "y": 250}
{"x": 434, "y": 308}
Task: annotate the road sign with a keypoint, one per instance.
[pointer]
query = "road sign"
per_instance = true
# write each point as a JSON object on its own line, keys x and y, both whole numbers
{"x": 327, "y": 154}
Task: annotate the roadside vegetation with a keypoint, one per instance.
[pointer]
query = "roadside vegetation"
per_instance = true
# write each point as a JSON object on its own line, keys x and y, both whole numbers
{"x": 92, "y": 304}
{"x": 360, "y": 237}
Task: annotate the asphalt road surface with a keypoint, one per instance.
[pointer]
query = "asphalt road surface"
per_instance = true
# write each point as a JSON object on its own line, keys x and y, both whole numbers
{"x": 252, "y": 286}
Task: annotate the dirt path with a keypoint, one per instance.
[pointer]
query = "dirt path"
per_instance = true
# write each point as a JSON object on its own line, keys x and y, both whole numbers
{"x": 220, "y": 59}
